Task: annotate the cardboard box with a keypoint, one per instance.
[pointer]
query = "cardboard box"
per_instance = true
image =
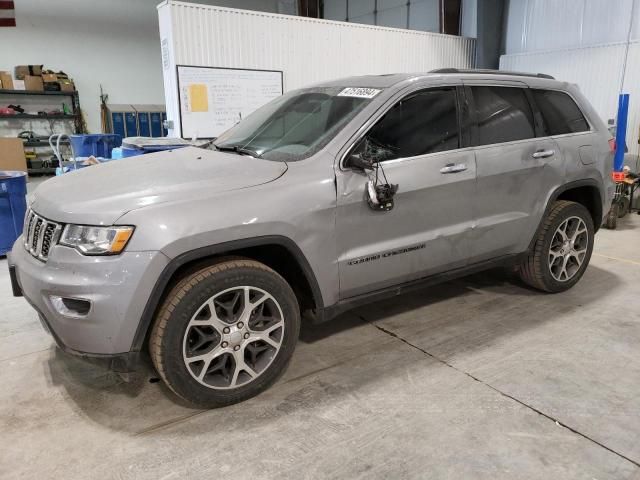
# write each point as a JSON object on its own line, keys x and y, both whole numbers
{"x": 12, "y": 154}
{"x": 66, "y": 86}
{"x": 7, "y": 81}
{"x": 49, "y": 77}
{"x": 18, "y": 85}
{"x": 31, "y": 82}
{"x": 22, "y": 71}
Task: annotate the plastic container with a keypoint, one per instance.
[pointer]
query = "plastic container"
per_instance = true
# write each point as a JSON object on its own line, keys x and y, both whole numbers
{"x": 13, "y": 207}
{"x": 96, "y": 144}
{"x": 116, "y": 153}
{"x": 131, "y": 152}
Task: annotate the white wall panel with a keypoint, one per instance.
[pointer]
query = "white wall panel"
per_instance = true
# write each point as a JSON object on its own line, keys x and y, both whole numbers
{"x": 534, "y": 25}
{"x": 306, "y": 50}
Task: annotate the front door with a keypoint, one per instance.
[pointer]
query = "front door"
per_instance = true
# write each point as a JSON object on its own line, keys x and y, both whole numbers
{"x": 417, "y": 145}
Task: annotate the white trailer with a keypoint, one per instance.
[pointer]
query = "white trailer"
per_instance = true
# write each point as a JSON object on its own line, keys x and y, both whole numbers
{"x": 304, "y": 50}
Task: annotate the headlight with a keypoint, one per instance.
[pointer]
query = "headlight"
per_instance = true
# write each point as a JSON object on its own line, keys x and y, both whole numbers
{"x": 96, "y": 240}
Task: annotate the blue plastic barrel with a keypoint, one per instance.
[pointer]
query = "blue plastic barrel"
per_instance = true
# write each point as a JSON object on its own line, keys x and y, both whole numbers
{"x": 96, "y": 144}
{"x": 13, "y": 206}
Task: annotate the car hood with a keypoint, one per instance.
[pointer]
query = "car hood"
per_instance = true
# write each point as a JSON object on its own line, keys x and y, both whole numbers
{"x": 100, "y": 194}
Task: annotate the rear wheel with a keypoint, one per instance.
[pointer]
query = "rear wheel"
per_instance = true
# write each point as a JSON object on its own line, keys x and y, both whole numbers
{"x": 623, "y": 207}
{"x": 562, "y": 249}
{"x": 611, "y": 221}
{"x": 225, "y": 333}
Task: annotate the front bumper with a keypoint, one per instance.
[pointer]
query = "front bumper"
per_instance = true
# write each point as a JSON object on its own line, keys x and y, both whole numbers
{"x": 117, "y": 287}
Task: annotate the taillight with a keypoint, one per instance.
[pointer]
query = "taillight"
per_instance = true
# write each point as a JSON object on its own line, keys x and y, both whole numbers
{"x": 612, "y": 145}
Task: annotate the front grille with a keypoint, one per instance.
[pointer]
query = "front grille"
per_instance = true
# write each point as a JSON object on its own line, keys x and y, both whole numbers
{"x": 39, "y": 235}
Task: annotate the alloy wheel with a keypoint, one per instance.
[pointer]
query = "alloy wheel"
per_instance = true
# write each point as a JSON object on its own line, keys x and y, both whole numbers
{"x": 568, "y": 249}
{"x": 233, "y": 337}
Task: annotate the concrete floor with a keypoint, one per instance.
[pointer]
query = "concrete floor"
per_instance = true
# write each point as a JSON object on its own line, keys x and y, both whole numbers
{"x": 477, "y": 378}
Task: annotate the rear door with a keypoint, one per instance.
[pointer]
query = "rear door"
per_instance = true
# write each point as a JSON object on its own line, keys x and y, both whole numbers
{"x": 514, "y": 167}
{"x": 564, "y": 121}
{"x": 418, "y": 146}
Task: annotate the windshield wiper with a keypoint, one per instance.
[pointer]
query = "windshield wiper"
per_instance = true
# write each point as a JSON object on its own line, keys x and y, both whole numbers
{"x": 238, "y": 149}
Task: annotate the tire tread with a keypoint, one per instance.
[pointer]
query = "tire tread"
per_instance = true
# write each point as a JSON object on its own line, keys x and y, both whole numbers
{"x": 177, "y": 293}
{"x": 531, "y": 268}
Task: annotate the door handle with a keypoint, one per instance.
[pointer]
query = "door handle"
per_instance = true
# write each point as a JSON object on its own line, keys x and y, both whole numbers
{"x": 453, "y": 168}
{"x": 543, "y": 154}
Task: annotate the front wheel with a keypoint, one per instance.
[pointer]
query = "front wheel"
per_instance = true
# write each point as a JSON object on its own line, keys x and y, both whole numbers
{"x": 562, "y": 249}
{"x": 225, "y": 333}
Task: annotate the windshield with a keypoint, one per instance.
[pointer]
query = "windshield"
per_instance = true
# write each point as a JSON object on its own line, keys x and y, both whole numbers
{"x": 297, "y": 124}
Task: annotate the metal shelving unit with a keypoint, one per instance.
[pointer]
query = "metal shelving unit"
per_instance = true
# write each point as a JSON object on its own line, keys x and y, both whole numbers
{"x": 41, "y": 143}
{"x": 42, "y": 171}
{"x": 75, "y": 117}
{"x": 36, "y": 92}
{"x": 35, "y": 117}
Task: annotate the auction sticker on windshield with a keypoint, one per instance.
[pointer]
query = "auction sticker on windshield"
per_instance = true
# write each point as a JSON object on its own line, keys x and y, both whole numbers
{"x": 359, "y": 92}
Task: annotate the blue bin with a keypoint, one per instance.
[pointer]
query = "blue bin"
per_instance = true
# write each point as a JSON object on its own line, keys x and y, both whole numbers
{"x": 96, "y": 144}
{"x": 13, "y": 207}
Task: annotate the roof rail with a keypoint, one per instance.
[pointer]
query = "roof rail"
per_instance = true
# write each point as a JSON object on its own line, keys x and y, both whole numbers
{"x": 491, "y": 72}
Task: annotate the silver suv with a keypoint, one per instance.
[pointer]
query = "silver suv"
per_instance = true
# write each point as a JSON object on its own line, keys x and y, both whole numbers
{"x": 325, "y": 198}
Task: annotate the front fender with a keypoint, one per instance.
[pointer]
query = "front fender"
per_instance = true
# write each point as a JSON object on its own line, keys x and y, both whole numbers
{"x": 176, "y": 263}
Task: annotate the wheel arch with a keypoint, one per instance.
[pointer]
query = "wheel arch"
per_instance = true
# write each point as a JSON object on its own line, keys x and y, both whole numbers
{"x": 585, "y": 192}
{"x": 278, "y": 252}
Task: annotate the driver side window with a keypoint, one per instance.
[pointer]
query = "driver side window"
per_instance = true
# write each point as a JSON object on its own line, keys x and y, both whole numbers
{"x": 421, "y": 123}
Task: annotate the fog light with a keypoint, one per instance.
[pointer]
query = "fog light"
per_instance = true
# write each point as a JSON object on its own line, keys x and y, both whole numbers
{"x": 70, "y": 307}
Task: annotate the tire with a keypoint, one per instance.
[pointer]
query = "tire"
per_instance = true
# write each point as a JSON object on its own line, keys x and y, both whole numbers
{"x": 556, "y": 263}
{"x": 216, "y": 360}
{"x": 612, "y": 217}
{"x": 623, "y": 207}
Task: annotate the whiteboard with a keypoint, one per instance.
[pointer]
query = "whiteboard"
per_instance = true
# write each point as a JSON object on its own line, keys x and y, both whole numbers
{"x": 214, "y": 99}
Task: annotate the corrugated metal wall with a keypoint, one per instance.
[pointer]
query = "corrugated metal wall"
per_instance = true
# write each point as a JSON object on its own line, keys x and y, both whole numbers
{"x": 582, "y": 42}
{"x": 535, "y": 25}
{"x": 306, "y": 50}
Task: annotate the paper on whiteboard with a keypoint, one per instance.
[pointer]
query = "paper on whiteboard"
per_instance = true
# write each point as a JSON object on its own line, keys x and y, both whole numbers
{"x": 198, "y": 97}
{"x": 359, "y": 92}
{"x": 212, "y": 100}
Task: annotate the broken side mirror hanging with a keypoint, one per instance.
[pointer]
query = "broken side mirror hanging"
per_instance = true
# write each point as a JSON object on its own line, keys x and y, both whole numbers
{"x": 357, "y": 161}
{"x": 380, "y": 197}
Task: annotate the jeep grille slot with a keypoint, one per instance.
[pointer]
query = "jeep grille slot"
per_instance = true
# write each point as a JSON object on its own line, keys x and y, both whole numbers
{"x": 39, "y": 235}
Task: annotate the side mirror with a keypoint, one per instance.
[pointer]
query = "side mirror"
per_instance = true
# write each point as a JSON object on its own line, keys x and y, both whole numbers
{"x": 355, "y": 160}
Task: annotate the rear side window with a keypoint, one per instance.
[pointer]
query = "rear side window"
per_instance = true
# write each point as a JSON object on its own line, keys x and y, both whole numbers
{"x": 560, "y": 113}
{"x": 503, "y": 114}
{"x": 422, "y": 123}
